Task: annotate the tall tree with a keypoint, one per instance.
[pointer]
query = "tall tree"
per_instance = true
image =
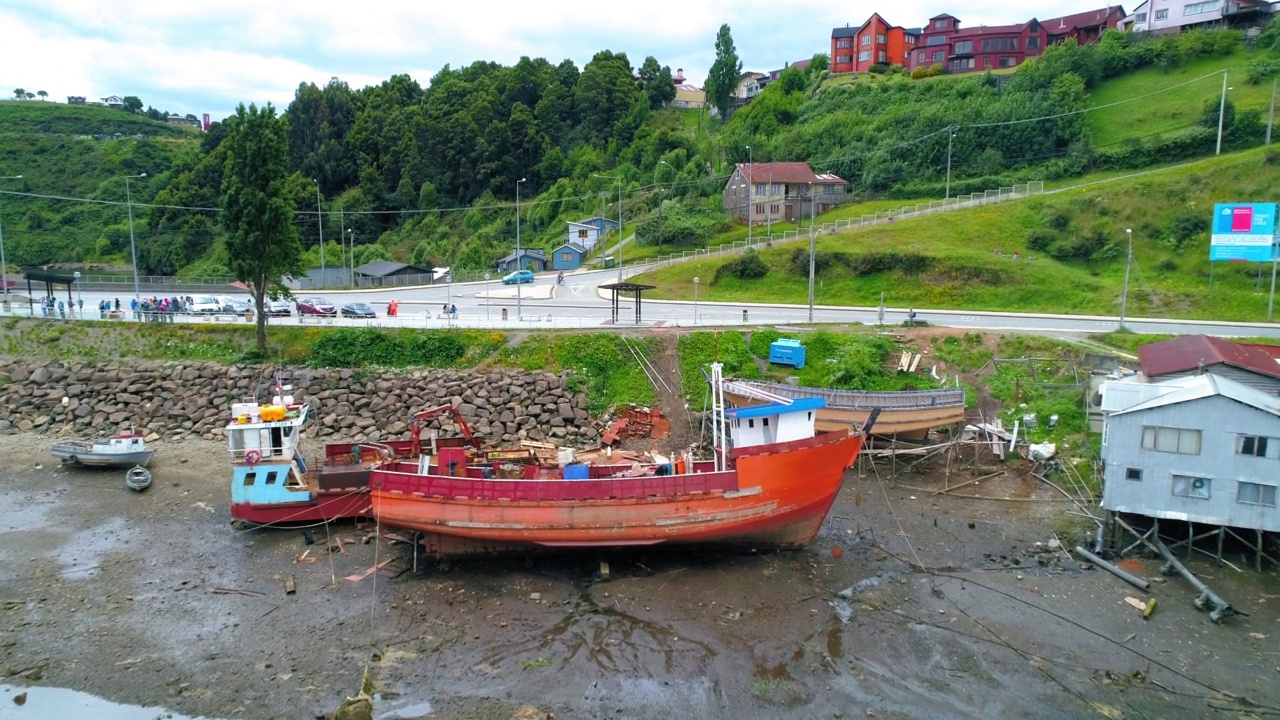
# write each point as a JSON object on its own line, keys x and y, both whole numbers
{"x": 256, "y": 205}
{"x": 657, "y": 83}
{"x": 42, "y": 94}
{"x": 724, "y": 73}
{"x": 133, "y": 103}
{"x": 19, "y": 93}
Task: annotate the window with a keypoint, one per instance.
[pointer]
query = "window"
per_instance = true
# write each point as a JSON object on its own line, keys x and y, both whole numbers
{"x": 758, "y": 189}
{"x": 1189, "y": 486}
{"x": 920, "y": 57}
{"x": 939, "y": 55}
{"x": 1171, "y": 440}
{"x": 986, "y": 62}
{"x": 1033, "y": 43}
{"x": 999, "y": 44}
{"x": 962, "y": 64}
{"x": 773, "y": 209}
{"x": 880, "y": 38}
{"x": 1008, "y": 60}
{"x": 866, "y": 40}
{"x": 1133, "y": 474}
{"x": 250, "y": 478}
{"x": 841, "y": 59}
{"x": 883, "y": 57}
{"x": 1256, "y": 446}
{"x": 911, "y": 39}
{"x": 864, "y": 56}
{"x": 271, "y": 478}
{"x": 582, "y": 233}
{"x": 935, "y": 40}
{"x": 964, "y": 47}
{"x": 566, "y": 257}
{"x": 1249, "y": 493}
{"x": 1162, "y": 14}
{"x": 774, "y": 189}
{"x": 759, "y": 210}
{"x": 1202, "y": 7}
{"x": 844, "y": 42}
{"x": 1140, "y": 17}
{"x": 941, "y": 24}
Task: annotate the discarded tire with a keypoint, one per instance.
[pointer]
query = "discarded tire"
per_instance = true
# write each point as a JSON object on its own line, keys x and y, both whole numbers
{"x": 139, "y": 479}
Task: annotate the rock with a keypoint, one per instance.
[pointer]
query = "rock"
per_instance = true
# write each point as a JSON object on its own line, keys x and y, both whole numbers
{"x": 20, "y": 699}
{"x": 40, "y": 376}
{"x": 357, "y": 708}
{"x": 151, "y": 437}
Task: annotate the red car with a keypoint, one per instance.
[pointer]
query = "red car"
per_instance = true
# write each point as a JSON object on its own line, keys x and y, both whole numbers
{"x": 316, "y": 306}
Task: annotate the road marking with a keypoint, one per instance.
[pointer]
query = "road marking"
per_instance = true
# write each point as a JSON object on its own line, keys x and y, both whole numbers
{"x": 576, "y": 289}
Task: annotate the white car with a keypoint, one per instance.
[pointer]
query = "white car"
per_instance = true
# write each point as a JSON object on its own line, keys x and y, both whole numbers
{"x": 278, "y": 307}
{"x": 205, "y": 304}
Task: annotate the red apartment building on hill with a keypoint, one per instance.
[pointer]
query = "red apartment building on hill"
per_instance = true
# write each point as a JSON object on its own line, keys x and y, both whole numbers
{"x": 876, "y": 42}
{"x": 943, "y": 42}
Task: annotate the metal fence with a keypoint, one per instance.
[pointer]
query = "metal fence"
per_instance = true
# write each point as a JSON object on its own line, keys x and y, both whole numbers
{"x": 921, "y": 209}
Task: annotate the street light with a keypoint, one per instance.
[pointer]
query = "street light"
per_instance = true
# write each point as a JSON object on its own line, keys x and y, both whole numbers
{"x": 133, "y": 248}
{"x": 696, "y": 280}
{"x": 79, "y": 295}
{"x": 1222, "y": 106}
{"x": 812, "y": 249}
{"x": 951, "y": 135}
{"x": 324, "y": 280}
{"x": 351, "y": 271}
{"x": 660, "y": 203}
{"x": 4, "y": 268}
{"x": 519, "y": 267}
{"x": 751, "y": 195}
{"x": 619, "y": 179}
{"x": 1124, "y": 294}
{"x": 486, "y": 297}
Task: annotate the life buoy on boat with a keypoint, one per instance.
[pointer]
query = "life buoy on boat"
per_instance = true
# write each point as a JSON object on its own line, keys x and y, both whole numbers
{"x": 252, "y": 457}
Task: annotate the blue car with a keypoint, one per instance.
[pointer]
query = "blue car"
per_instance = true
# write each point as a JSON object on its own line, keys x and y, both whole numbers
{"x": 519, "y": 276}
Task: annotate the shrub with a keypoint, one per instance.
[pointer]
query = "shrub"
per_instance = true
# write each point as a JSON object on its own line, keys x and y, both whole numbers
{"x": 1040, "y": 240}
{"x": 352, "y": 348}
{"x": 920, "y": 72}
{"x": 747, "y": 266}
{"x": 1188, "y": 226}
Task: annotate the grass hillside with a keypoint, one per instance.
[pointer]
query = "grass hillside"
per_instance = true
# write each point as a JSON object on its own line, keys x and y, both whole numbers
{"x": 50, "y": 118}
{"x": 1071, "y": 247}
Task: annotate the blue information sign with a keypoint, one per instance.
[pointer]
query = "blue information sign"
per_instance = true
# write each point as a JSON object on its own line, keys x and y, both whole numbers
{"x": 1243, "y": 231}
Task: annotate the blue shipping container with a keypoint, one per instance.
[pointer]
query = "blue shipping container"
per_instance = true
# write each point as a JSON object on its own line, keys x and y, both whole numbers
{"x": 784, "y": 351}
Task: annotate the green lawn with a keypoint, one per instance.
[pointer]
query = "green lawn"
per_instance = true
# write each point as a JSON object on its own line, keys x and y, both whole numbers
{"x": 1173, "y": 110}
{"x": 964, "y": 272}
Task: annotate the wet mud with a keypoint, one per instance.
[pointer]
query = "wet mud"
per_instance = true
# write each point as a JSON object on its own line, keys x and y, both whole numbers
{"x": 910, "y": 605}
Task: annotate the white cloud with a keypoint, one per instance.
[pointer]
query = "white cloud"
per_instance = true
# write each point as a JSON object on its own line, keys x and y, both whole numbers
{"x": 198, "y": 57}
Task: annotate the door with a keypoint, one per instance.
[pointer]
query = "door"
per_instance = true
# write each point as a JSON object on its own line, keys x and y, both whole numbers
{"x": 790, "y": 212}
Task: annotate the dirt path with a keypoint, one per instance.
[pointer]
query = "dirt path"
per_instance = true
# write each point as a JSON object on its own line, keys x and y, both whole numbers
{"x": 954, "y": 612}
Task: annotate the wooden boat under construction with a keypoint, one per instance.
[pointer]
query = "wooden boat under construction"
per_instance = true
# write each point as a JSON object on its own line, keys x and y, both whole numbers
{"x": 770, "y": 486}
{"x": 906, "y": 414}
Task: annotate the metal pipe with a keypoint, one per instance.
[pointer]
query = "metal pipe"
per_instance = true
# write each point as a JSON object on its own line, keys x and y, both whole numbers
{"x": 1128, "y": 577}
{"x": 1221, "y": 608}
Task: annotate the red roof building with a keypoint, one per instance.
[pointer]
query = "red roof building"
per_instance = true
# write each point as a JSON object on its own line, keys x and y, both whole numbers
{"x": 1257, "y": 366}
{"x": 875, "y": 42}
{"x": 1085, "y": 27}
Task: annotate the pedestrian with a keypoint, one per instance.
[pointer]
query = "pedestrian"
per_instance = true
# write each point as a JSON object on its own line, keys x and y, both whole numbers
{"x": 392, "y": 308}
{"x": 911, "y": 318}
{"x": 453, "y": 311}
{"x": 80, "y": 307}
{"x": 117, "y": 304}
{"x": 133, "y": 307}
{"x": 62, "y": 310}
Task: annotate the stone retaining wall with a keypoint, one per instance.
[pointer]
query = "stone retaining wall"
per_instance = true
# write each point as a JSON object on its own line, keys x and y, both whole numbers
{"x": 193, "y": 399}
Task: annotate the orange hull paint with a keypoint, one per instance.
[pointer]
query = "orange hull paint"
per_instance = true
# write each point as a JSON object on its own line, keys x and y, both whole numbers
{"x": 782, "y": 498}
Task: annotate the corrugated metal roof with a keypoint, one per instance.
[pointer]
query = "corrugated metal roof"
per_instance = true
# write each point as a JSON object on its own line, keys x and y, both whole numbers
{"x": 785, "y": 172}
{"x": 1091, "y": 18}
{"x": 1208, "y": 385}
{"x": 989, "y": 30}
{"x": 1185, "y": 353}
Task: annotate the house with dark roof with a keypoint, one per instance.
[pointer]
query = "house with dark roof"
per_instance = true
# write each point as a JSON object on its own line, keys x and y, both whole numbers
{"x": 568, "y": 256}
{"x": 585, "y": 234}
{"x": 875, "y": 42}
{"x": 764, "y": 192}
{"x": 533, "y": 259}
{"x": 385, "y": 273}
{"x": 1256, "y": 366}
{"x": 1085, "y": 27}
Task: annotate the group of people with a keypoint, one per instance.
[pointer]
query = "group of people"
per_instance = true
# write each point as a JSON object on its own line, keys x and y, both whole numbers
{"x": 449, "y": 310}
{"x": 53, "y": 307}
{"x": 154, "y": 309}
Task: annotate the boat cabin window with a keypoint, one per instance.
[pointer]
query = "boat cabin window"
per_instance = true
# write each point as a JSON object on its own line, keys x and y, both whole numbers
{"x": 271, "y": 478}
{"x": 766, "y": 422}
{"x": 277, "y": 441}
{"x": 751, "y": 422}
{"x": 250, "y": 478}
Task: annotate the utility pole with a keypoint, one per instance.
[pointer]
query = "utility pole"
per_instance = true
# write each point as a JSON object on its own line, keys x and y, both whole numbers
{"x": 1271, "y": 303}
{"x": 1271, "y": 116}
{"x": 951, "y": 134}
{"x": 812, "y": 251}
{"x": 769, "y": 218}
{"x": 4, "y": 268}
{"x": 1124, "y": 294}
{"x": 324, "y": 278}
{"x": 1222, "y": 107}
{"x": 661, "y": 202}
{"x": 519, "y": 255}
{"x": 133, "y": 248}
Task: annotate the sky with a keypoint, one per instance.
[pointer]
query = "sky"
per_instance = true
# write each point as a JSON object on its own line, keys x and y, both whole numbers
{"x": 193, "y": 57}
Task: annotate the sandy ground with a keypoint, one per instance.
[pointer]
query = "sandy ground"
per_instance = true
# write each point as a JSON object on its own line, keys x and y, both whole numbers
{"x": 153, "y": 599}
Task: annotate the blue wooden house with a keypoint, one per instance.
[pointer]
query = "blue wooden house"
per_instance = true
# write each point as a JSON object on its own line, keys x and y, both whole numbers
{"x": 568, "y": 256}
{"x": 533, "y": 259}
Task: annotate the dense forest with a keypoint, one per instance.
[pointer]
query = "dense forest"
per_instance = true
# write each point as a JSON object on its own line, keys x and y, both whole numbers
{"x": 431, "y": 174}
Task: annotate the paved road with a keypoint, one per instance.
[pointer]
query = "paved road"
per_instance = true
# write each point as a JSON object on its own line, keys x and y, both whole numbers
{"x": 578, "y": 303}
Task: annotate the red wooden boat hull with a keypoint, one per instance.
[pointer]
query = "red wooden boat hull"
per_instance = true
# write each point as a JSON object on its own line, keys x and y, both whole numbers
{"x": 330, "y": 505}
{"x": 776, "y": 497}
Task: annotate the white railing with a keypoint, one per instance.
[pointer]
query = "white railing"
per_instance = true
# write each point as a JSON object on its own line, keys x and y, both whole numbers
{"x": 920, "y": 209}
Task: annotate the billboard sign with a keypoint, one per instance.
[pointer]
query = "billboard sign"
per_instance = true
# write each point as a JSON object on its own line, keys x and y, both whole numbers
{"x": 1243, "y": 231}
{"x": 206, "y": 122}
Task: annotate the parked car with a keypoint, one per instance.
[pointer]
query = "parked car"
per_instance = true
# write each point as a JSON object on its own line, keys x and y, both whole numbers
{"x": 278, "y": 307}
{"x": 358, "y": 310}
{"x": 205, "y": 304}
{"x": 316, "y": 306}
{"x": 519, "y": 276}
{"x": 235, "y": 306}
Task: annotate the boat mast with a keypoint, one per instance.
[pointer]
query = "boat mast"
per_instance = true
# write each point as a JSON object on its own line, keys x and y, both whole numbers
{"x": 719, "y": 438}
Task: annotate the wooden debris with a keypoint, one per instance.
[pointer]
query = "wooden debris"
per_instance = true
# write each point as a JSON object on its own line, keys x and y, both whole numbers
{"x": 305, "y": 557}
{"x": 237, "y": 591}
{"x": 290, "y": 586}
{"x": 370, "y": 571}
{"x": 1136, "y": 603}
{"x": 604, "y": 569}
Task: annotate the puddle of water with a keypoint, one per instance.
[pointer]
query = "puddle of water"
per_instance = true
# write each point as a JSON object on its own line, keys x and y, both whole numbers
{"x": 45, "y": 702}
{"x": 408, "y": 711}
{"x": 82, "y": 554}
